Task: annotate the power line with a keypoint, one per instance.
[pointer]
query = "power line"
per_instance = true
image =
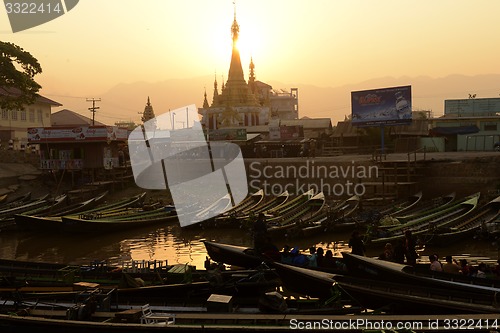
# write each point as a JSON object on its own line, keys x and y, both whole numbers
{"x": 93, "y": 108}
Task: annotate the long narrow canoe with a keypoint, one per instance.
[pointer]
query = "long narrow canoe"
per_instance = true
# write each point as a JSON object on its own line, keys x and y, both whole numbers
{"x": 447, "y": 233}
{"x": 441, "y": 217}
{"x": 402, "y": 206}
{"x": 427, "y": 207}
{"x": 240, "y": 256}
{"x": 250, "y": 202}
{"x": 275, "y": 202}
{"x": 7, "y": 213}
{"x": 276, "y": 211}
{"x": 77, "y": 225}
{"x": 293, "y": 219}
{"x": 395, "y": 272}
{"x": 375, "y": 293}
{"x": 106, "y": 209}
{"x": 424, "y": 224}
{"x": 17, "y": 201}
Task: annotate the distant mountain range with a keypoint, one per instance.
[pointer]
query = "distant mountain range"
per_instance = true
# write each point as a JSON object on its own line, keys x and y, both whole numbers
{"x": 126, "y": 100}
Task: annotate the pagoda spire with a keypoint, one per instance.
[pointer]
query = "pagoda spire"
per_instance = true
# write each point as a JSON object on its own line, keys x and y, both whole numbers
{"x": 205, "y": 101}
{"x": 216, "y": 92}
{"x": 235, "y": 68}
{"x": 251, "y": 77}
{"x": 148, "y": 113}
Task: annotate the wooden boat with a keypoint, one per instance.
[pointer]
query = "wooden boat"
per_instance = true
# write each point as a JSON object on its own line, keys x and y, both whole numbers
{"x": 10, "y": 212}
{"x": 449, "y": 214}
{"x": 77, "y": 225}
{"x": 51, "y": 220}
{"x": 427, "y": 207}
{"x": 376, "y": 293}
{"x": 249, "y": 203}
{"x": 287, "y": 206}
{"x": 49, "y": 280}
{"x": 293, "y": 219}
{"x": 111, "y": 208}
{"x": 232, "y": 217}
{"x": 92, "y": 315}
{"x": 337, "y": 218}
{"x": 53, "y": 204}
{"x": 422, "y": 224}
{"x": 316, "y": 224}
{"x": 275, "y": 202}
{"x": 447, "y": 233}
{"x": 240, "y": 256}
{"x": 17, "y": 201}
{"x": 80, "y": 206}
{"x": 400, "y": 273}
{"x": 402, "y": 206}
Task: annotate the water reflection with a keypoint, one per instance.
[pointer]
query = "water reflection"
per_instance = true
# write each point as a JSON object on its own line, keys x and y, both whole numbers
{"x": 177, "y": 245}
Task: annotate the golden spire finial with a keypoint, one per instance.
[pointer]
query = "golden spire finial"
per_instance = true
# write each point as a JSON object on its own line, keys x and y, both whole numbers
{"x": 235, "y": 28}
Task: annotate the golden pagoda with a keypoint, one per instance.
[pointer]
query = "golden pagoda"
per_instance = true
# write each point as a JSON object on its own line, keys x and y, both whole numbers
{"x": 237, "y": 105}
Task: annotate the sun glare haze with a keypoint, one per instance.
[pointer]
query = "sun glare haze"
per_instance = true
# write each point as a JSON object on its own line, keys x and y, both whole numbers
{"x": 101, "y": 44}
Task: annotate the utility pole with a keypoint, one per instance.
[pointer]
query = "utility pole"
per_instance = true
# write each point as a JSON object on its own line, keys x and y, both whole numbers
{"x": 93, "y": 108}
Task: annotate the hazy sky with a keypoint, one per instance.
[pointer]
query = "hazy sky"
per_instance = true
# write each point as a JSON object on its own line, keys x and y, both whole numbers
{"x": 101, "y": 43}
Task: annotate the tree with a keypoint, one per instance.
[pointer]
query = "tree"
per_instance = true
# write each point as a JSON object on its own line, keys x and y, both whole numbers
{"x": 17, "y": 71}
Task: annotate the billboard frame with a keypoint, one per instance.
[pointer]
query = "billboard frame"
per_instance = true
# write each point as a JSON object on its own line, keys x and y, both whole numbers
{"x": 382, "y": 107}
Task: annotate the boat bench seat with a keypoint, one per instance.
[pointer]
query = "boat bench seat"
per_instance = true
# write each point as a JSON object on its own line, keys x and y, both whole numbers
{"x": 150, "y": 317}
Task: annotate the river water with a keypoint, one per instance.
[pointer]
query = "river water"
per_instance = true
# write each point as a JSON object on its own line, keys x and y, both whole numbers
{"x": 181, "y": 246}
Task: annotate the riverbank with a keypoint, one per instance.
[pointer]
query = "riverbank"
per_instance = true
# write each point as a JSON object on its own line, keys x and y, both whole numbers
{"x": 437, "y": 174}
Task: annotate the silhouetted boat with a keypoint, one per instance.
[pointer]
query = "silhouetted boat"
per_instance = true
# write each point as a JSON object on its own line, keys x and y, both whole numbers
{"x": 377, "y": 293}
{"x": 78, "y": 225}
{"x": 402, "y": 206}
{"x": 449, "y": 232}
{"x": 240, "y": 256}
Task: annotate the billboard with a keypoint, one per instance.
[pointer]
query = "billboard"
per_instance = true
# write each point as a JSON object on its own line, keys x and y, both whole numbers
{"x": 384, "y": 106}
{"x": 472, "y": 106}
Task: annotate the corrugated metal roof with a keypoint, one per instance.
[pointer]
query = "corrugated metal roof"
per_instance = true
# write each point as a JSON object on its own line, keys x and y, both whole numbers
{"x": 70, "y": 118}
{"x": 418, "y": 127}
{"x": 309, "y": 123}
{"x": 345, "y": 129}
{"x": 14, "y": 92}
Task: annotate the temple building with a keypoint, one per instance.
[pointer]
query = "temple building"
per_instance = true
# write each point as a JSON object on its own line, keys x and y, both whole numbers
{"x": 148, "y": 113}
{"x": 249, "y": 105}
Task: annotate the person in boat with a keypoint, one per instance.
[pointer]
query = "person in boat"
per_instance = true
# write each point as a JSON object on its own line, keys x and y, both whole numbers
{"x": 298, "y": 259}
{"x": 496, "y": 270}
{"x": 313, "y": 257}
{"x": 356, "y": 244}
{"x": 328, "y": 261}
{"x": 388, "y": 253}
{"x": 260, "y": 233}
{"x": 435, "y": 264}
{"x": 451, "y": 266}
{"x": 286, "y": 256}
{"x": 398, "y": 254}
{"x": 481, "y": 270}
{"x": 319, "y": 256}
{"x": 410, "y": 252}
{"x": 465, "y": 267}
